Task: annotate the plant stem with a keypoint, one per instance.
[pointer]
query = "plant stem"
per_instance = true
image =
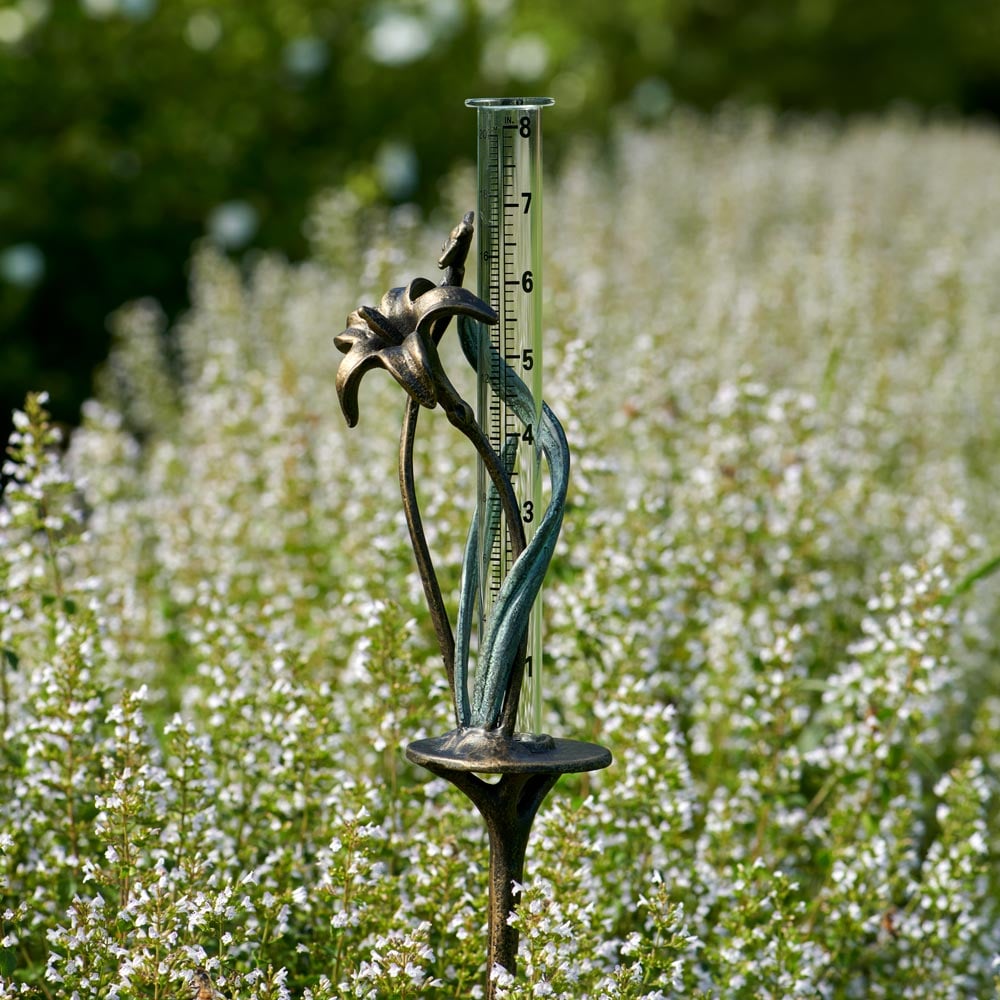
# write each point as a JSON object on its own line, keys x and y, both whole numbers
{"x": 5, "y": 689}
{"x": 460, "y": 414}
{"x": 425, "y": 566}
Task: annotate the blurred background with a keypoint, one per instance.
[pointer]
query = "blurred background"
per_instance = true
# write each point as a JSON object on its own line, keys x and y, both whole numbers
{"x": 130, "y": 130}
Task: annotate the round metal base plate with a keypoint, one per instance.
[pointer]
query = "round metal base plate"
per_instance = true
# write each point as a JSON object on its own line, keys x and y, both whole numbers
{"x": 487, "y": 753}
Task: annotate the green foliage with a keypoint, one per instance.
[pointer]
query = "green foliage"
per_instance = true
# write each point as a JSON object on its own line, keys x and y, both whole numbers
{"x": 134, "y": 127}
{"x": 214, "y": 646}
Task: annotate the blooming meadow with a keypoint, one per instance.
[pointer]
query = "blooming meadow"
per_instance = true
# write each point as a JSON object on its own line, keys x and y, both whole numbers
{"x": 774, "y": 349}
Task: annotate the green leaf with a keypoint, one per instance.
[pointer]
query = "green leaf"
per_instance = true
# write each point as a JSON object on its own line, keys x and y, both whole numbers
{"x": 986, "y": 570}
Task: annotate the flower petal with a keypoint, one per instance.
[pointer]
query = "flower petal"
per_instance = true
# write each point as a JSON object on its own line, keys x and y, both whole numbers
{"x": 360, "y": 358}
{"x": 390, "y": 330}
{"x": 356, "y": 333}
{"x": 451, "y": 300}
{"x": 407, "y": 362}
{"x": 417, "y": 287}
{"x": 410, "y": 367}
{"x": 397, "y": 305}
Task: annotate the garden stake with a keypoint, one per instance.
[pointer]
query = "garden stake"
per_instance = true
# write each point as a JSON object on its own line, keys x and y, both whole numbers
{"x": 529, "y": 768}
{"x": 402, "y": 336}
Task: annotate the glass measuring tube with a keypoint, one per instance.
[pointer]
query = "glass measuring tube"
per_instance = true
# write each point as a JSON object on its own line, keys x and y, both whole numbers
{"x": 509, "y": 227}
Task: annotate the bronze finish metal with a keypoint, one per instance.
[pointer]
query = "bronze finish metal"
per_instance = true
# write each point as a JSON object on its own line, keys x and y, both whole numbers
{"x": 529, "y": 766}
{"x": 402, "y": 336}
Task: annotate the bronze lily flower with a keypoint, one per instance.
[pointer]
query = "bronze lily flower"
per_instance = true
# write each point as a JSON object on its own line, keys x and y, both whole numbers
{"x": 397, "y": 337}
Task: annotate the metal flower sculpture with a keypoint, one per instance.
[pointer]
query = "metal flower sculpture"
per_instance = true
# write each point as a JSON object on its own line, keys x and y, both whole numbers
{"x": 402, "y": 336}
{"x": 396, "y": 337}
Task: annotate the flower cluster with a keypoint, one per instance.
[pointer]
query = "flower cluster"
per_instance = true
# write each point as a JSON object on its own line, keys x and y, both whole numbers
{"x": 772, "y": 600}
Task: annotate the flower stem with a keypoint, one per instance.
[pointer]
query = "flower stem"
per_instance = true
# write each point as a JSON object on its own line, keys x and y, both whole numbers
{"x": 461, "y": 416}
{"x": 425, "y": 566}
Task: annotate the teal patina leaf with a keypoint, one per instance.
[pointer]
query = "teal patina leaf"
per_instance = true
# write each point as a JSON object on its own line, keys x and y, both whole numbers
{"x": 509, "y": 620}
{"x": 470, "y": 584}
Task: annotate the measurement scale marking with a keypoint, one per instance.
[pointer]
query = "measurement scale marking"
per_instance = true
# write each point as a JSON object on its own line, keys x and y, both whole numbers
{"x": 510, "y": 280}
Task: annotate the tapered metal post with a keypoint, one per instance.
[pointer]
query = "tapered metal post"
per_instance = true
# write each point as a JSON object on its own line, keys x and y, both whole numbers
{"x": 529, "y": 768}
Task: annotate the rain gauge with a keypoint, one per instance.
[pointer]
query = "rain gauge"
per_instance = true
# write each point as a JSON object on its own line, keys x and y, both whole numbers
{"x": 509, "y": 224}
